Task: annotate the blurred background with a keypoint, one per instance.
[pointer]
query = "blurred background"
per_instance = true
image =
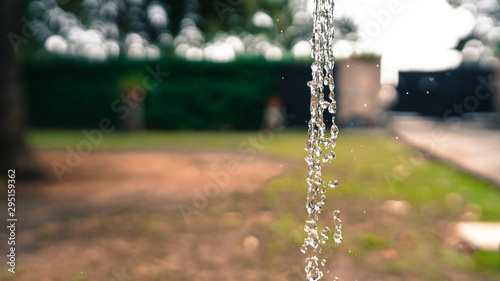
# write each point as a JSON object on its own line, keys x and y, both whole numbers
{"x": 158, "y": 139}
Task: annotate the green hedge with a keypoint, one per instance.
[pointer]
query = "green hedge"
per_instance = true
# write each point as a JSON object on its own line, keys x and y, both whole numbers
{"x": 198, "y": 96}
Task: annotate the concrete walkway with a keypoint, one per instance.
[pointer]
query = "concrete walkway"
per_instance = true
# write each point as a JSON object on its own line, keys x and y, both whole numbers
{"x": 470, "y": 146}
{"x": 482, "y": 235}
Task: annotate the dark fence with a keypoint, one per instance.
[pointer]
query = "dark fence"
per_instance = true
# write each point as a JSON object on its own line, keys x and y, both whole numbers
{"x": 446, "y": 93}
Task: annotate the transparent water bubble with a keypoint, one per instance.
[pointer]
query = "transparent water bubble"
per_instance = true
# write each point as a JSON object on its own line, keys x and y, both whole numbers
{"x": 324, "y": 234}
{"x": 323, "y": 200}
{"x": 315, "y": 66}
{"x": 323, "y": 189}
{"x": 334, "y": 130}
{"x": 336, "y": 214}
{"x": 308, "y": 146}
{"x": 303, "y": 248}
{"x": 332, "y": 108}
{"x": 332, "y": 155}
{"x": 318, "y": 207}
{"x": 308, "y": 160}
{"x": 325, "y": 231}
{"x": 318, "y": 152}
{"x": 338, "y": 238}
{"x": 333, "y": 184}
{"x": 325, "y": 158}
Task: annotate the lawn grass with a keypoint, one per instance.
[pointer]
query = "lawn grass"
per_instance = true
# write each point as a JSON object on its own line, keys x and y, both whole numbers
{"x": 369, "y": 164}
{"x": 372, "y": 167}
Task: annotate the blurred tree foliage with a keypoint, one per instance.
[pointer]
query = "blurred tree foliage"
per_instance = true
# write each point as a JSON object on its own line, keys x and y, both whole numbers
{"x": 487, "y": 24}
{"x": 211, "y": 16}
{"x": 290, "y": 21}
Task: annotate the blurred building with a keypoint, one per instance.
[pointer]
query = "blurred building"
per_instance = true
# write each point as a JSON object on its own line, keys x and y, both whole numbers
{"x": 357, "y": 86}
{"x": 467, "y": 92}
{"x": 361, "y": 99}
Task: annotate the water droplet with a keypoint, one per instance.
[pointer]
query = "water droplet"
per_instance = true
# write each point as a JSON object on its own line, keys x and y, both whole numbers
{"x": 332, "y": 155}
{"x": 332, "y": 108}
{"x": 333, "y": 184}
{"x": 303, "y": 248}
{"x": 365, "y": 104}
{"x": 323, "y": 262}
{"x": 347, "y": 65}
{"x": 325, "y": 158}
{"x": 315, "y": 66}
{"x": 323, "y": 199}
{"x": 397, "y": 138}
{"x": 325, "y": 230}
{"x": 338, "y": 238}
{"x": 324, "y": 240}
{"x": 336, "y": 214}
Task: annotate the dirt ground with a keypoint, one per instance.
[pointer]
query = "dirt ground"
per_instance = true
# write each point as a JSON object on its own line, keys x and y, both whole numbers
{"x": 111, "y": 182}
{"x": 131, "y": 215}
{"x": 177, "y": 215}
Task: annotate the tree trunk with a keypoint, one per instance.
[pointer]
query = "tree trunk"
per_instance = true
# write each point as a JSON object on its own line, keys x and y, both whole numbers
{"x": 14, "y": 153}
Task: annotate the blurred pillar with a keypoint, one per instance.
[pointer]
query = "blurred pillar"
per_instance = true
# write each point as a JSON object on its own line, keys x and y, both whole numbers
{"x": 14, "y": 153}
{"x": 134, "y": 120}
{"x": 496, "y": 94}
{"x": 358, "y": 84}
{"x": 273, "y": 114}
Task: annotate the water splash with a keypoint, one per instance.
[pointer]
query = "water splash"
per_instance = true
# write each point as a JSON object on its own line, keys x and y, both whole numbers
{"x": 320, "y": 145}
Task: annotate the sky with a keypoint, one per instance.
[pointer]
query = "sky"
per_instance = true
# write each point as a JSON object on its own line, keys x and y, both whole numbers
{"x": 409, "y": 34}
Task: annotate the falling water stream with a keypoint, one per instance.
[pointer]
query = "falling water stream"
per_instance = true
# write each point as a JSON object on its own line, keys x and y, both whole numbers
{"x": 320, "y": 145}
